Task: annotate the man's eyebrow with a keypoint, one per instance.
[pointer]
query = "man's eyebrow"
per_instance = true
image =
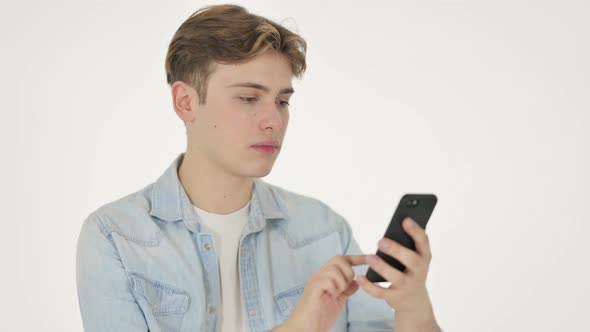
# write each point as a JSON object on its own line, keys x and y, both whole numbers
{"x": 260, "y": 87}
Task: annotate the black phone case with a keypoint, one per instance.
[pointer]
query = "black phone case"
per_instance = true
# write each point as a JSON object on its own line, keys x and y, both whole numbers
{"x": 416, "y": 206}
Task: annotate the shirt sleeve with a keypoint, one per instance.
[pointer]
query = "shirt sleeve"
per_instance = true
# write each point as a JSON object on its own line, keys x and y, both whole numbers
{"x": 104, "y": 295}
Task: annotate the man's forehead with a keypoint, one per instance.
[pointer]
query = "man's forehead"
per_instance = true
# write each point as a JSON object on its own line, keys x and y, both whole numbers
{"x": 262, "y": 87}
{"x": 263, "y": 73}
{"x": 265, "y": 63}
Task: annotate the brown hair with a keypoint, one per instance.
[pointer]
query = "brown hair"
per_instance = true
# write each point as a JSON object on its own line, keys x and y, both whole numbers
{"x": 227, "y": 34}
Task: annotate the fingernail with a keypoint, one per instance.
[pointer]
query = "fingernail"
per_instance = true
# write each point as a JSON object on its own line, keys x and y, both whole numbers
{"x": 409, "y": 223}
{"x": 384, "y": 244}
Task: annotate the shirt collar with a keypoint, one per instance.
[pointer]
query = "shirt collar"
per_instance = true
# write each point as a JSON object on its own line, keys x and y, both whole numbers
{"x": 170, "y": 201}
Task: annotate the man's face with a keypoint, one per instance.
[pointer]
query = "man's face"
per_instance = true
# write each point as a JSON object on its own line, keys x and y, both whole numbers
{"x": 241, "y": 127}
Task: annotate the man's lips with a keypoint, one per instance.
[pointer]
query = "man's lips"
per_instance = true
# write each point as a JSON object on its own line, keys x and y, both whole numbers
{"x": 273, "y": 143}
{"x": 267, "y": 147}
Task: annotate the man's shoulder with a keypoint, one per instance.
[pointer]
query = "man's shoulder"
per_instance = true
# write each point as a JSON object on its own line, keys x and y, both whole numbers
{"x": 129, "y": 217}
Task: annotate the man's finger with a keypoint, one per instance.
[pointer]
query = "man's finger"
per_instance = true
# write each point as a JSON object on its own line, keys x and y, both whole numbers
{"x": 388, "y": 272}
{"x": 419, "y": 236}
{"x": 352, "y": 288}
{"x": 335, "y": 273}
{"x": 408, "y": 257}
{"x": 355, "y": 260}
{"x": 345, "y": 267}
{"x": 326, "y": 285}
{"x": 371, "y": 288}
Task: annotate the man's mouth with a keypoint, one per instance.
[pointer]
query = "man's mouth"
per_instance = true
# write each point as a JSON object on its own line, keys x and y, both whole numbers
{"x": 266, "y": 149}
{"x": 268, "y": 146}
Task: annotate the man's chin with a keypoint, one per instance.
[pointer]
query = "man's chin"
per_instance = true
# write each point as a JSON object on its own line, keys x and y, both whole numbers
{"x": 259, "y": 172}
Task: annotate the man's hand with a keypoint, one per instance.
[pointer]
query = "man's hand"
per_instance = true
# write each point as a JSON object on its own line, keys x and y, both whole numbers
{"x": 325, "y": 295}
{"x": 407, "y": 294}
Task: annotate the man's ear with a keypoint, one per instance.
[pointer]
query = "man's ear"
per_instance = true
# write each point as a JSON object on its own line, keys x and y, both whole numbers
{"x": 184, "y": 97}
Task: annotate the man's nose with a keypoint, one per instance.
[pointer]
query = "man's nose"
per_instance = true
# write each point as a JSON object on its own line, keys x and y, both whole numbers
{"x": 272, "y": 117}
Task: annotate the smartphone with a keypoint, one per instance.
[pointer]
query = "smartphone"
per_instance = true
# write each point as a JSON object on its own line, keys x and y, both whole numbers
{"x": 416, "y": 206}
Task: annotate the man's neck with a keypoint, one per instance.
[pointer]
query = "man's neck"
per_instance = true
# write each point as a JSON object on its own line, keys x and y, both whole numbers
{"x": 211, "y": 189}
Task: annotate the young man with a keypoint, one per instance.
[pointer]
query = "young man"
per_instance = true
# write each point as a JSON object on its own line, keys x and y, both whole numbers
{"x": 211, "y": 247}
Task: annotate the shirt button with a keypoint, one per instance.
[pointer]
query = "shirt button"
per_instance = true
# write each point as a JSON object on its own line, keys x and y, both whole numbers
{"x": 207, "y": 246}
{"x": 211, "y": 309}
{"x": 252, "y": 313}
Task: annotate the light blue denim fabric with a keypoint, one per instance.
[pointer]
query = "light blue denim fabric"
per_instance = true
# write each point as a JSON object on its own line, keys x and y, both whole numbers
{"x": 145, "y": 262}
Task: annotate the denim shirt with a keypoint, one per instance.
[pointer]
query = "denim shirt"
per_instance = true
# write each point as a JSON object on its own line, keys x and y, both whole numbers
{"x": 145, "y": 262}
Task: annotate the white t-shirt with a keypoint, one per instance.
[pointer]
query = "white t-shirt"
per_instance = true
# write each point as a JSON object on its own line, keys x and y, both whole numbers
{"x": 227, "y": 231}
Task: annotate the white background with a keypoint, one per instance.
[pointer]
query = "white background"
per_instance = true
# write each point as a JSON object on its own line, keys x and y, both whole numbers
{"x": 483, "y": 103}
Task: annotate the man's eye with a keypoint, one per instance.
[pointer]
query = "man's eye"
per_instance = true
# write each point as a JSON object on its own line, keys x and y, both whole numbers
{"x": 248, "y": 99}
{"x": 284, "y": 103}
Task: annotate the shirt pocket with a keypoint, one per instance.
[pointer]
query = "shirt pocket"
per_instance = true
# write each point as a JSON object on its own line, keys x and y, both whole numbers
{"x": 285, "y": 301}
{"x": 162, "y": 304}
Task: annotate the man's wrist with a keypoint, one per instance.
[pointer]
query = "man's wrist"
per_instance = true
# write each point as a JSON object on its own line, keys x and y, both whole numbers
{"x": 415, "y": 322}
{"x": 280, "y": 328}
